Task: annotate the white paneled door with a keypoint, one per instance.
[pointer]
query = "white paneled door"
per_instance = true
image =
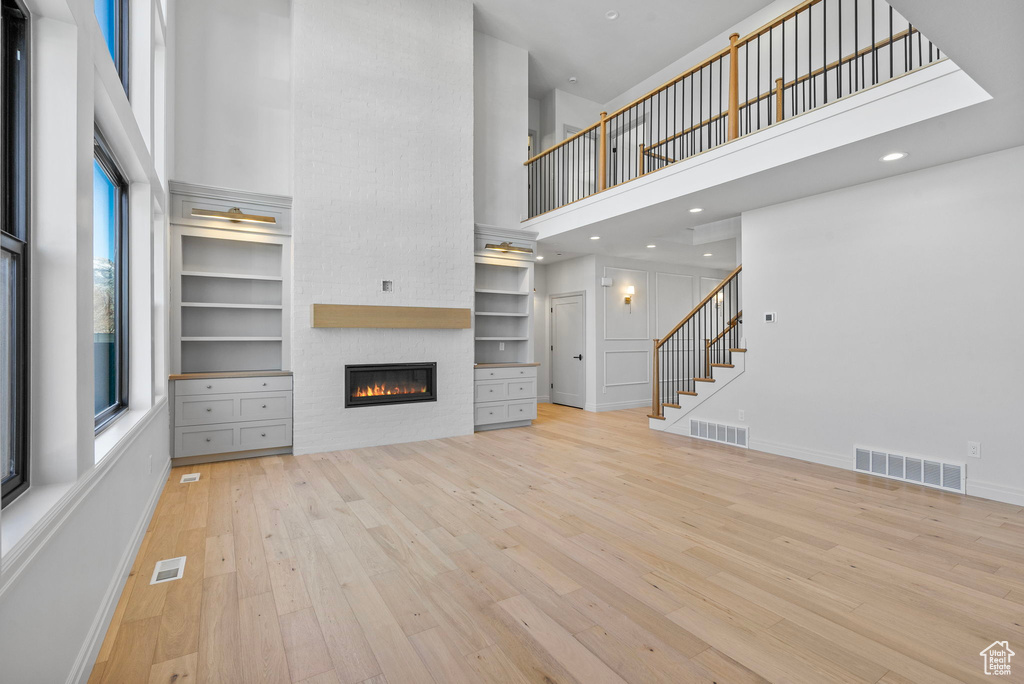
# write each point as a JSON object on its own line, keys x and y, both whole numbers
{"x": 567, "y": 366}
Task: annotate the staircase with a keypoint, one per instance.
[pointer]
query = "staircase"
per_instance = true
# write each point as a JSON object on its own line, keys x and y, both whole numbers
{"x": 700, "y": 356}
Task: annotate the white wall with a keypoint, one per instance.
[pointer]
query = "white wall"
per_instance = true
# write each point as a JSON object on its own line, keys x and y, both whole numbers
{"x": 91, "y": 495}
{"x": 618, "y": 337}
{"x": 233, "y": 104}
{"x": 501, "y": 119}
{"x": 559, "y": 109}
{"x": 899, "y": 310}
{"x": 383, "y": 97}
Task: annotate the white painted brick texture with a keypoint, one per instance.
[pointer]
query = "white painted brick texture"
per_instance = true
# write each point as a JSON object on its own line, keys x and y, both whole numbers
{"x": 383, "y": 132}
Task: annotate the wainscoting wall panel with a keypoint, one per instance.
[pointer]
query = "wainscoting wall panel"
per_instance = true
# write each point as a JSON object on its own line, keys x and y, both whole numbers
{"x": 673, "y": 300}
{"x": 624, "y": 321}
{"x": 627, "y": 367}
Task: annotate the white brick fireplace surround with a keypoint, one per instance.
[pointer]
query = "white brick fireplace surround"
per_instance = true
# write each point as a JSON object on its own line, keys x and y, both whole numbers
{"x": 383, "y": 191}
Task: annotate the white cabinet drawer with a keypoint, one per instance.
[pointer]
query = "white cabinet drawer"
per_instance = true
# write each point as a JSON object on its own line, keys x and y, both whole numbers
{"x": 266, "y": 436}
{"x": 204, "y": 410}
{"x": 269, "y": 383}
{"x": 265, "y": 406}
{"x": 203, "y": 440}
{"x": 491, "y": 391}
{"x": 522, "y": 410}
{"x": 504, "y": 373}
{"x": 522, "y": 389}
{"x": 208, "y": 440}
{"x": 490, "y": 413}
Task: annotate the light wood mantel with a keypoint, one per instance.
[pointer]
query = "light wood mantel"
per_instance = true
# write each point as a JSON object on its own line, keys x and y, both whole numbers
{"x": 359, "y": 316}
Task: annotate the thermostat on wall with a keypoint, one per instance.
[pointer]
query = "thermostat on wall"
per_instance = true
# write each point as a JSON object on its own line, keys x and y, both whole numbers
{"x": 770, "y": 317}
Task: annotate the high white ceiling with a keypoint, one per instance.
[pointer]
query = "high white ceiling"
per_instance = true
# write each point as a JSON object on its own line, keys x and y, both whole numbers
{"x": 574, "y": 38}
{"x": 980, "y": 39}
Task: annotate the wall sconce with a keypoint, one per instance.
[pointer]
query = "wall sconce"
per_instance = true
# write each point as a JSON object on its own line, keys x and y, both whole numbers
{"x": 630, "y": 291}
{"x": 720, "y": 298}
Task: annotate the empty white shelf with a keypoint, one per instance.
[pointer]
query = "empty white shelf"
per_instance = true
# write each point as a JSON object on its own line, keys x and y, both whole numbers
{"x": 218, "y": 305}
{"x": 243, "y": 276}
{"x": 499, "y": 313}
{"x": 231, "y": 339}
{"x": 503, "y": 292}
{"x": 502, "y": 339}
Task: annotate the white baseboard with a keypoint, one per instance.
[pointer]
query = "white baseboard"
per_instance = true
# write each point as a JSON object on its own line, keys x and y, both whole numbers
{"x": 617, "y": 406}
{"x": 995, "y": 492}
{"x": 803, "y": 454}
{"x": 97, "y": 631}
{"x": 544, "y": 399}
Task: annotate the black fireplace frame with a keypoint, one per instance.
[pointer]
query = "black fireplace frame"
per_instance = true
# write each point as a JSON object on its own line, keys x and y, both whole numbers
{"x": 387, "y": 399}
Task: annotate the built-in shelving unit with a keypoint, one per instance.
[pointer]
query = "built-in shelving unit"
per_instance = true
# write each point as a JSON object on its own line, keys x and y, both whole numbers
{"x": 230, "y": 312}
{"x": 505, "y": 375}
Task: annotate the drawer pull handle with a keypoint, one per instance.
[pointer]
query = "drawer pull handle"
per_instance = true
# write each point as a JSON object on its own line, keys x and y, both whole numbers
{"x": 264, "y": 406}
{"x": 209, "y": 387}
{"x": 208, "y": 409}
{"x": 207, "y": 439}
{"x": 263, "y": 434}
{"x": 264, "y": 384}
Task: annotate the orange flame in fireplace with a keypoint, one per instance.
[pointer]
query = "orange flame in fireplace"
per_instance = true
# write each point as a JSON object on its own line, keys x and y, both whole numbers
{"x": 384, "y": 390}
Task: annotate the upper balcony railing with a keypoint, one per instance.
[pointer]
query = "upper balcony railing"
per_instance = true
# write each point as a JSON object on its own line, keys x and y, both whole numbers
{"x": 818, "y": 52}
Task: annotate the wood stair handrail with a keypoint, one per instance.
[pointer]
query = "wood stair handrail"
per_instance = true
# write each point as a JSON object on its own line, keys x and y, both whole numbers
{"x": 700, "y": 306}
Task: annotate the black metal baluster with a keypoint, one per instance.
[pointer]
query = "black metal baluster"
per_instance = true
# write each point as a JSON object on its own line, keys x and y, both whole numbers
{"x": 891, "y": 58}
{"x": 874, "y": 50}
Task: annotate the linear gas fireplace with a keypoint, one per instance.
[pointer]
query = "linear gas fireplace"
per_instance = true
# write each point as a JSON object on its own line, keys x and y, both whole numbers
{"x": 390, "y": 383}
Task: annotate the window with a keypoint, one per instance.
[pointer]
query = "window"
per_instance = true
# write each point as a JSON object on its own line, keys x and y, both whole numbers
{"x": 109, "y": 286}
{"x": 14, "y": 254}
{"x": 112, "y": 16}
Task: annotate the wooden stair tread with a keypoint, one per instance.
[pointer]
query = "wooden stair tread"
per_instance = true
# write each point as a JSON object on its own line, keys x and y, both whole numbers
{"x": 650, "y": 415}
{"x": 672, "y": 405}
{"x": 689, "y": 394}
{"x": 704, "y": 379}
{"x": 738, "y": 350}
{"x": 722, "y": 365}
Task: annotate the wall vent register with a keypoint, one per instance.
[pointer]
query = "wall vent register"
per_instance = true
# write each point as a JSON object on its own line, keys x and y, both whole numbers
{"x": 725, "y": 434}
{"x": 928, "y": 472}
{"x": 190, "y": 477}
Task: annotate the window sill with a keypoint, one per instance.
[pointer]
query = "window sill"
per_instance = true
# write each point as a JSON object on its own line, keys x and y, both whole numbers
{"x": 24, "y": 512}
{"x": 118, "y": 428}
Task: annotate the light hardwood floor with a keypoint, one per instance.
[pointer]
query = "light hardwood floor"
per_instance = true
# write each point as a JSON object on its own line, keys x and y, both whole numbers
{"x": 586, "y": 548}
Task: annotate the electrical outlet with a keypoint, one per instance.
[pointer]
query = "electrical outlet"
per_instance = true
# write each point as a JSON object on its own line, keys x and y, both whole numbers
{"x": 974, "y": 449}
{"x": 501, "y": 346}
{"x": 743, "y": 414}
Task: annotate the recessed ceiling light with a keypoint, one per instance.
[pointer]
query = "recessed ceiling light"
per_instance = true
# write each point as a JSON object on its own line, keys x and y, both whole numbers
{"x": 540, "y": 258}
{"x": 708, "y": 254}
{"x": 595, "y": 237}
{"x": 572, "y": 79}
{"x": 696, "y": 210}
{"x": 893, "y": 156}
{"x": 611, "y": 15}
{"x": 651, "y": 246}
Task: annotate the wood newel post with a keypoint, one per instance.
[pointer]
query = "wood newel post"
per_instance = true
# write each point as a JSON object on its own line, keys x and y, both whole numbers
{"x": 779, "y": 108}
{"x": 602, "y": 157}
{"x": 734, "y": 87}
{"x": 655, "y": 388}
